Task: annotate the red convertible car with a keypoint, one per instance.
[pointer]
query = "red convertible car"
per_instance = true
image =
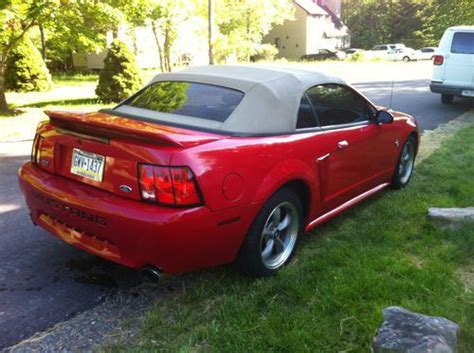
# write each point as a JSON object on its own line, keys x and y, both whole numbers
{"x": 214, "y": 164}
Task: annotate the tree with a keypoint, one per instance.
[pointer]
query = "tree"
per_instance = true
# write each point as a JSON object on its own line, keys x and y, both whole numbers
{"x": 243, "y": 23}
{"x": 79, "y": 26}
{"x": 25, "y": 69}
{"x": 385, "y": 21}
{"x": 444, "y": 14}
{"x": 413, "y": 22}
{"x": 120, "y": 77}
{"x": 166, "y": 16}
{"x": 17, "y": 17}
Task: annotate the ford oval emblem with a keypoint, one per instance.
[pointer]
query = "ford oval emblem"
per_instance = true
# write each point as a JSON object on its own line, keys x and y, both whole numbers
{"x": 125, "y": 188}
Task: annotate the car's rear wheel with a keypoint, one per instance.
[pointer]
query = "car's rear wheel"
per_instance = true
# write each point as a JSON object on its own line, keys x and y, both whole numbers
{"x": 405, "y": 164}
{"x": 406, "y": 59}
{"x": 271, "y": 242}
{"x": 447, "y": 98}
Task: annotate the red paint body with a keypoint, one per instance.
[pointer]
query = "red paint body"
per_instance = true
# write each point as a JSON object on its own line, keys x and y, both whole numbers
{"x": 235, "y": 175}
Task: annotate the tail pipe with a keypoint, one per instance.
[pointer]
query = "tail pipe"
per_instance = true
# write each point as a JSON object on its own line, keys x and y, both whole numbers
{"x": 150, "y": 274}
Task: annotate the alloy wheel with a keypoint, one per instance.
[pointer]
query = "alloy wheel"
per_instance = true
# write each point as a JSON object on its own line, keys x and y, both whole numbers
{"x": 279, "y": 235}
{"x": 407, "y": 161}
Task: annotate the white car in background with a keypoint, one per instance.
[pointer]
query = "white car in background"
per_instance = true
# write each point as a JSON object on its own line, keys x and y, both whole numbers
{"x": 402, "y": 54}
{"x": 427, "y": 53}
{"x": 453, "y": 64}
{"x": 383, "y": 50}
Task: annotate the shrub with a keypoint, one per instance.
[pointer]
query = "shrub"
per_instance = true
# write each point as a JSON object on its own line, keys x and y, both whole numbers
{"x": 25, "y": 69}
{"x": 358, "y": 56}
{"x": 265, "y": 52}
{"x": 120, "y": 77}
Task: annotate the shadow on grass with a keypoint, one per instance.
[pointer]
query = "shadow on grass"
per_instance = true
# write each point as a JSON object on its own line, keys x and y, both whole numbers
{"x": 10, "y": 113}
{"x": 78, "y": 101}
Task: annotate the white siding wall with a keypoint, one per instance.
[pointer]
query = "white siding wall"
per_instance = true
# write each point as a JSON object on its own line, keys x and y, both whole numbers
{"x": 292, "y": 36}
{"x": 321, "y": 34}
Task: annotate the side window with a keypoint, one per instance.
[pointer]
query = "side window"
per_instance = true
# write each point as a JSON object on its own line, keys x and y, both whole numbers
{"x": 338, "y": 104}
{"x": 306, "y": 118}
{"x": 463, "y": 43}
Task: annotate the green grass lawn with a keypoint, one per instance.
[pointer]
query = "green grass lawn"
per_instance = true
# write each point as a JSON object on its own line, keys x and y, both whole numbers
{"x": 74, "y": 78}
{"x": 383, "y": 252}
{"x": 73, "y": 92}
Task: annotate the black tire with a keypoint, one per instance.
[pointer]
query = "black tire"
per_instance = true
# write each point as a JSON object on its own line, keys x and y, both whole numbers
{"x": 406, "y": 59}
{"x": 250, "y": 258}
{"x": 401, "y": 177}
{"x": 447, "y": 98}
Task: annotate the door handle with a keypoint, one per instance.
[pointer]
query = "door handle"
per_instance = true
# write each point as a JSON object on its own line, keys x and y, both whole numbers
{"x": 323, "y": 158}
{"x": 342, "y": 144}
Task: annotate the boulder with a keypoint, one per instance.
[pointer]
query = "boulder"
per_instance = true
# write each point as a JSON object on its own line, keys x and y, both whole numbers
{"x": 406, "y": 332}
{"x": 451, "y": 217}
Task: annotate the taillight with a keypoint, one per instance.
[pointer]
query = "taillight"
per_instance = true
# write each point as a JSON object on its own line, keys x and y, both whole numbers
{"x": 438, "y": 60}
{"x": 36, "y": 148}
{"x": 174, "y": 186}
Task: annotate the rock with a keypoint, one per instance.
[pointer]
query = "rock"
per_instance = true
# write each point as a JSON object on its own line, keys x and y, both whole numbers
{"x": 451, "y": 217}
{"x": 406, "y": 332}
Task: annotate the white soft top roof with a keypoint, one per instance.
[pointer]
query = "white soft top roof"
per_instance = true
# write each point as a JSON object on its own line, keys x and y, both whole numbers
{"x": 270, "y": 105}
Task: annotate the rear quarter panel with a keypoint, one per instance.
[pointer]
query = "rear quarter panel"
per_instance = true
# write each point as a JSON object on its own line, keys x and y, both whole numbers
{"x": 264, "y": 164}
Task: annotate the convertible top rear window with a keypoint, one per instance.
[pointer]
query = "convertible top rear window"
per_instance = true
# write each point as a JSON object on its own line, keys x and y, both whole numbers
{"x": 191, "y": 99}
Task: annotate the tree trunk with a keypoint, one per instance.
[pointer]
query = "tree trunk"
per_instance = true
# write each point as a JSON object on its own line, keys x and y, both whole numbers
{"x": 3, "y": 98}
{"x": 43, "y": 43}
{"x": 167, "y": 51}
{"x": 158, "y": 44}
{"x": 209, "y": 17}
{"x": 247, "y": 49}
{"x": 134, "y": 41}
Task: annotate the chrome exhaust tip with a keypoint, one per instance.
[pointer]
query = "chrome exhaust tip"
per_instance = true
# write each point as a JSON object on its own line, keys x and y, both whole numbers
{"x": 150, "y": 274}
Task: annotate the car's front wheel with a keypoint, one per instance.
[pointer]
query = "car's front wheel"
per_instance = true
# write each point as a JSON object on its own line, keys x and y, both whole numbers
{"x": 405, "y": 164}
{"x": 271, "y": 242}
{"x": 406, "y": 59}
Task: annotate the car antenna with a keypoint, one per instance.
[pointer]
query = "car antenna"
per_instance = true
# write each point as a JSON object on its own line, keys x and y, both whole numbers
{"x": 391, "y": 95}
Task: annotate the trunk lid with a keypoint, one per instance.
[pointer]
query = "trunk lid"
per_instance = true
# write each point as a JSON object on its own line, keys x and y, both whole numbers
{"x": 104, "y": 151}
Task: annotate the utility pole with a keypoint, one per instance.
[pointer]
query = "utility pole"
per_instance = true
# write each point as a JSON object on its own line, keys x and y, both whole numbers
{"x": 209, "y": 17}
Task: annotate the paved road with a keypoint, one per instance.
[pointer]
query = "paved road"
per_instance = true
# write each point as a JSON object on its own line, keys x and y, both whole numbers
{"x": 415, "y": 98}
{"x": 44, "y": 281}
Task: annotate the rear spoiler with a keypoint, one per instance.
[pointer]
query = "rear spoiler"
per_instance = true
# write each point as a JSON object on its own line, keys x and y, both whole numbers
{"x": 108, "y": 126}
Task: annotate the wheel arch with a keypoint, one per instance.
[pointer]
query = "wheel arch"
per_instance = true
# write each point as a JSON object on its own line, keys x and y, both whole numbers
{"x": 416, "y": 136}
{"x": 298, "y": 176}
{"x": 302, "y": 189}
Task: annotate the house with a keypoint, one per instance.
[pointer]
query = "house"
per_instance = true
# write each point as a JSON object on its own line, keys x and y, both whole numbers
{"x": 317, "y": 25}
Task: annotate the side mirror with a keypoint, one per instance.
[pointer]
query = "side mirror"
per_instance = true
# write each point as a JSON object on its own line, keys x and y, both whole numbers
{"x": 383, "y": 117}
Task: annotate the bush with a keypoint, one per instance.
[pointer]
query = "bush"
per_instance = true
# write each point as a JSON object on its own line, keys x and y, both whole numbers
{"x": 120, "y": 77}
{"x": 358, "y": 56}
{"x": 25, "y": 69}
{"x": 265, "y": 52}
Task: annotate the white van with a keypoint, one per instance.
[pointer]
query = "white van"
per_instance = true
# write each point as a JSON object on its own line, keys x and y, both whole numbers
{"x": 453, "y": 70}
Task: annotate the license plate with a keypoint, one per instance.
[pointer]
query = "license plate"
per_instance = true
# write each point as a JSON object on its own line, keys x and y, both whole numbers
{"x": 88, "y": 165}
{"x": 468, "y": 93}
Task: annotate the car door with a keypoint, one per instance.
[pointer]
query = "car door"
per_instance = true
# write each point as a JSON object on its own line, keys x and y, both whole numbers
{"x": 352, "y": 153}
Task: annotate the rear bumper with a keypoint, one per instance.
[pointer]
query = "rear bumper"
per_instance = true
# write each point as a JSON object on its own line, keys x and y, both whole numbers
{"x": 436, "y": 87}
{"x": 130, "y": 232}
